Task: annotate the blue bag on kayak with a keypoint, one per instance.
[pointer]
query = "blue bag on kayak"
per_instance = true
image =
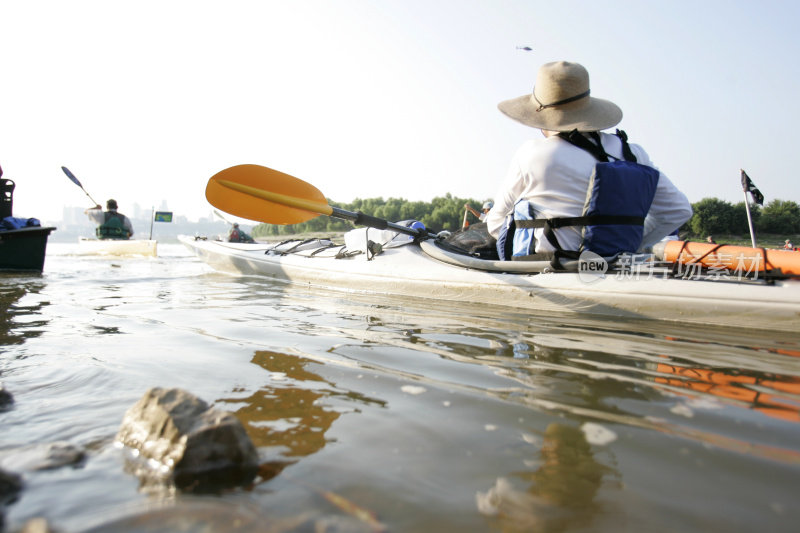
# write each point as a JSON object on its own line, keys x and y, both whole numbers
{"x": 10, "y": 223}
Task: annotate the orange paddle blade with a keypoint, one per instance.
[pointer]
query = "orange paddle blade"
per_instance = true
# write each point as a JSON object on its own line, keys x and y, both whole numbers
{"x": 266, "y": 195}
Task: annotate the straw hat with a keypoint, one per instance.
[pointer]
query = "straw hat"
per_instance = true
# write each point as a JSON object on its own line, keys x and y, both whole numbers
{"x": 560, "y": 102}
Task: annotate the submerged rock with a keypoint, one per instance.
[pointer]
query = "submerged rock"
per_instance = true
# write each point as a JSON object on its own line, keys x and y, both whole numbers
{"x": 10, "y": 486}
{"x": 58, "y": 454}
{"x": 202, "y": 515}
{"x": 45, "y": 456}
{"x": 6, "y": 399}
{"x": 37, "y": 525}
{"x": 196, "y": 447}
{"x": 207, "y": 515}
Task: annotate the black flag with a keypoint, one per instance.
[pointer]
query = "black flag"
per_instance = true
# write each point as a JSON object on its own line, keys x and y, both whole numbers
{"x": 748, "y": 186}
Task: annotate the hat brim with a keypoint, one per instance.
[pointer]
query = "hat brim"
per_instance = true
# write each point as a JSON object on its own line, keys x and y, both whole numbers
{"x": 592, "y": 114}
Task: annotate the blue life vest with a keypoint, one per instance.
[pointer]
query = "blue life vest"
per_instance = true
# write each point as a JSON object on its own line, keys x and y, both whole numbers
{"x": 619, "y": 196}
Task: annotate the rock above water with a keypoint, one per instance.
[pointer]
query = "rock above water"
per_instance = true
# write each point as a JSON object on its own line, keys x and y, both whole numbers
{"x": 199, "y": 448}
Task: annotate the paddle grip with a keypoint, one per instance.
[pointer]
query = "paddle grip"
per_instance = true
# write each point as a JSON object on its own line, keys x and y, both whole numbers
{"x": 360, "y": 219}
{"x": 372, "y": 222}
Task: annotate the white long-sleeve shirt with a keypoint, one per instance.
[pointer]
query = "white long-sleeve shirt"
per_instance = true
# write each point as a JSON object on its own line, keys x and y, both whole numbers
{"x": 553, "y": 175}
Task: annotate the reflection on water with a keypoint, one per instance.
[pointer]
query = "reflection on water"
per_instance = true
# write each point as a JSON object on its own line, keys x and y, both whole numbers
{"x": 8, "y": 297}
{"x": 288, "y": 418}
{"x": 287, "y": 414}
{"x": 18, "y": 322}
{"x": 773, "y": 395}
{"x": 373, "y": 411}
{"x": 556, "y": 363}
{"x": 558, "y": 494}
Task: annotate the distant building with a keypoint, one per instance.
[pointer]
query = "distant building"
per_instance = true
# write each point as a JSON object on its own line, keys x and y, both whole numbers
{"x": 74, "y": 216}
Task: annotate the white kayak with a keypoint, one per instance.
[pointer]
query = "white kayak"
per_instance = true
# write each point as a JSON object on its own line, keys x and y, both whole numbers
{"x": 427, "y": 270}
{"x": 117, "y": 247}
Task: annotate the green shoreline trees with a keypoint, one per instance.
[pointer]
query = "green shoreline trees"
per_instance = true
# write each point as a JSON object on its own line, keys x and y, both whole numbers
{"x": 718, "y": 217}
{"x": 712, "y": 216}
{"x": 441, "y": 213}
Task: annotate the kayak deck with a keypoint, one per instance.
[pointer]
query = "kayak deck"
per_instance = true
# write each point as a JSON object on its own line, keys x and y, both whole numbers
{"x": 409, "y": 271}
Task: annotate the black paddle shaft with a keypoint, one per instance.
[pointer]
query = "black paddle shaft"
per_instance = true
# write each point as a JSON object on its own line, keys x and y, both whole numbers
{"x": 361, "y": 219}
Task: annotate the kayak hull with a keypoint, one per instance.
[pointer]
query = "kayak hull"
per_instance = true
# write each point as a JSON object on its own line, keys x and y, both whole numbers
{"x": 409, "y": 271}
{"x": 24, "y": 249}
{"x": 132, "y": 247}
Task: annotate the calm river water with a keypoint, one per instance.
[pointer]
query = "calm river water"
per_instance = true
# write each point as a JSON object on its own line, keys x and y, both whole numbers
{"x": 375, "y": 414}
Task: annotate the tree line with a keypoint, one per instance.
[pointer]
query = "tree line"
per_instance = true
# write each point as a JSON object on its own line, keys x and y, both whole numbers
{"x": 441, "y": 213}
{"x": 712, "y": 216}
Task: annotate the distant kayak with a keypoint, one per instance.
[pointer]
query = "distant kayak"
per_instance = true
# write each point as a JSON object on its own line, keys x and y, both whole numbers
{"x": 23, "y": 241}
{"x": 117, "y": 247}
{"x": 657, "y": 291}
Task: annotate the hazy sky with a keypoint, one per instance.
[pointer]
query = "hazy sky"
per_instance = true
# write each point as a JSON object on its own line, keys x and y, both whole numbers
{"x": 144, "y": 101}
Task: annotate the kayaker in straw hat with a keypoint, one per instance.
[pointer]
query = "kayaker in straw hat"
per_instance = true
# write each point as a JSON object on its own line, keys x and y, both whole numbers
{"x": 550, "y": 178}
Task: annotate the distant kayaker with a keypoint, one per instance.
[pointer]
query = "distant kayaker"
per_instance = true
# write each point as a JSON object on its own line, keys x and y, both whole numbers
{"x": 237, "y": 235}
{"x": 787, "y": 245}
{"x": 551, "y": 181}
{"x": 112, "y": 224}
{"x": 484, "y": 209}
{"x": 710, "y": 240}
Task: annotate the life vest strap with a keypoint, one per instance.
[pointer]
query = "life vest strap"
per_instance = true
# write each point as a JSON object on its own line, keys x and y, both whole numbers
{"x": 593, "y": 220}
{"x": 595, "y": 148}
